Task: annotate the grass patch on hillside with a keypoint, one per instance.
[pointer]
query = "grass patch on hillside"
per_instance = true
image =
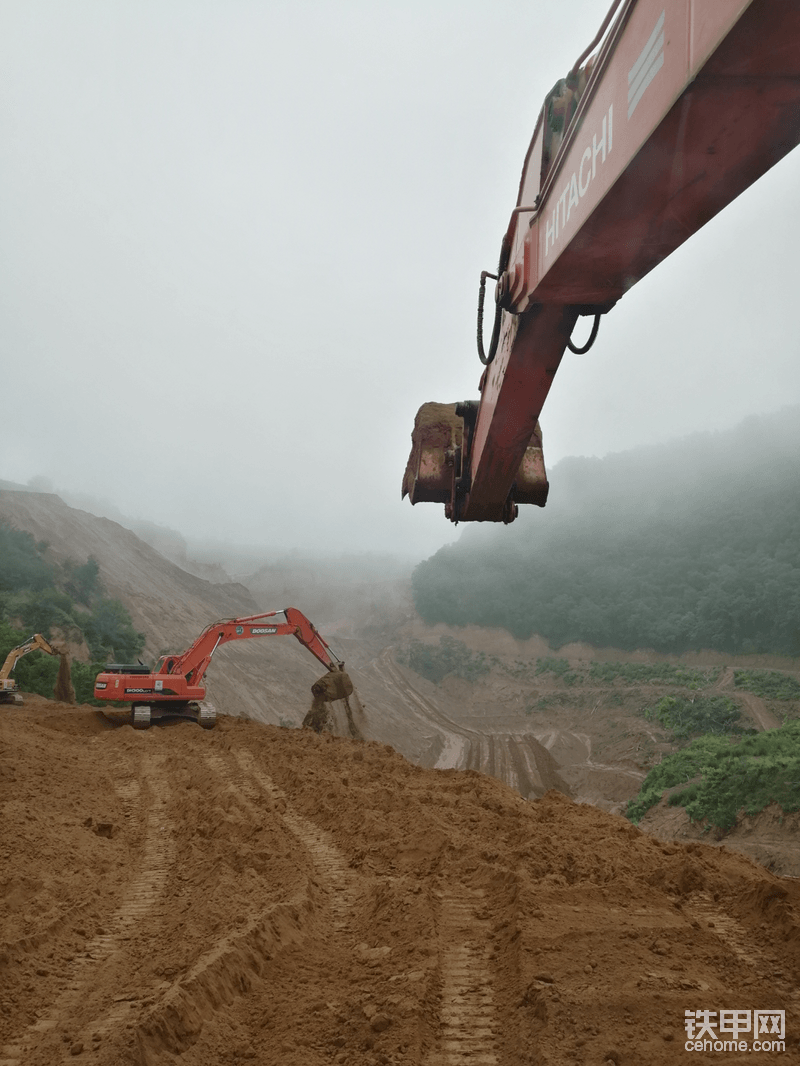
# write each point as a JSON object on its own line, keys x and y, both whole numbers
{"x": 561, "y": 669}
{"x": 554, "y": 700}
{"x": 769, "y": 684}
{"x": 748, "y": 775}
{"x": 630, "y": 673}
{"x": 652, "y": 674}
{"x": 686, "y": 716}
{"x": 449, "y": 656}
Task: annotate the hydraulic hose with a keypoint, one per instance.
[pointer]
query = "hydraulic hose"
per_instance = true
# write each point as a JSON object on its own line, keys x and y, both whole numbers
{"x": 591, "y": 340}
{"x": 498, "y": 315}
{"x": 505, "y": 252}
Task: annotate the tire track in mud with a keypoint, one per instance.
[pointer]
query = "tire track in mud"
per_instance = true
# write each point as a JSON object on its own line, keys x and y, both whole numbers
{"x": 225, "y": 971}
{"x": 337, "y": 877}
{"x": 518, "y": 753}
{"x": 458, "y": 741}
{"x": 550, "y": 739}
{"x": 763, "y": 717}
{"x": 731, "y": 932}
{"x": 157, "y": 856}
{"x": 750, "y": 956}
{"x": 469, "y": 1028}
{"x": 507, "y": 756}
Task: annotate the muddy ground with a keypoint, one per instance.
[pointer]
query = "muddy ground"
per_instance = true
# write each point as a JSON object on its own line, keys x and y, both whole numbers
{"x": 267, "y": 895}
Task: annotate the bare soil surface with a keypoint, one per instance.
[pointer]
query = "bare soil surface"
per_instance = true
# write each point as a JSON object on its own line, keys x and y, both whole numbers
{"x": 258, "y": 894}
{"x": 456, "y": 888}
{"x": 770, "y": 837}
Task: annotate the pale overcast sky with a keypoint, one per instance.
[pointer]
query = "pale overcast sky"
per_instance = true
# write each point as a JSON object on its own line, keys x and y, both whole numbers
{"x": 241, "y": 241}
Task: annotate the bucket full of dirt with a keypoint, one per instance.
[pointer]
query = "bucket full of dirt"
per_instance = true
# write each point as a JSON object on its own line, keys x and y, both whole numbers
{"x": 335, "y": 685}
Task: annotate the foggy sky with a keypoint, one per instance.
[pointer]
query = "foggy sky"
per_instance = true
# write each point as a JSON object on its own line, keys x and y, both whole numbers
{"x": 241, "y": 243}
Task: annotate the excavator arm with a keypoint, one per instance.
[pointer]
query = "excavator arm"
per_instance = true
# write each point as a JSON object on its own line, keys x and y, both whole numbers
{"x": 685, "y": 104}
{"x": 193, "y": 663}
{"x": 8, "y": 686}
{"x": 31, "y": 644}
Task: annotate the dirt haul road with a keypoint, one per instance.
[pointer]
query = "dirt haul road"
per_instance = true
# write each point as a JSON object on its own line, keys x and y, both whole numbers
{"x": 503, "y": 745}
{"x": 257, "y": 894}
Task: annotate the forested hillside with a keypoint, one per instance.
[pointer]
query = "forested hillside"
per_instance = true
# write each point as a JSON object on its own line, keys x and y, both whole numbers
{"x": 690, "y": 545}
{"x": 67, "y": 600}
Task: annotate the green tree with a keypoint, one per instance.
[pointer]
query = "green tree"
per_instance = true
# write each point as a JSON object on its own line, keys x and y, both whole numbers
{"x": 83, "y": 675}
{"x": 722, "y": 777}
{"x": 83, "y": 581}
{"x": 109, "y": 632}
{"x": 686, "y": 716}
{"x": 39, "y": 597}
{"x": 42, "y": 609}
{"x": 712, "y": 562}
{"x": 21, "y": 564}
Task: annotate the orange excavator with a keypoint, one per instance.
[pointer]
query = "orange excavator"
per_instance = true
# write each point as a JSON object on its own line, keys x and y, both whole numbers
{"x": 174, "y": 686}
{"x": 674, "y": 109}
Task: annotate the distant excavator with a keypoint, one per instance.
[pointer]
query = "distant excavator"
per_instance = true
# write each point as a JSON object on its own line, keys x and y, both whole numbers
{"x": 174, "y": 686}
{"x": 9, "y": 690}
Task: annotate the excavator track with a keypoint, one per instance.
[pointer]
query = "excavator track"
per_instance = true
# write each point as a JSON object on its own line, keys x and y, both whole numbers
{"x": 140, "y": 716}
{"x": 206, "y": 715}
{"x": 143, "y": 714}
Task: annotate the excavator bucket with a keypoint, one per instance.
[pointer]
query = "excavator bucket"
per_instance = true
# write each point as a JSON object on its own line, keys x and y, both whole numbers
{"x": 436, "y": 443}
{"x": 438, "y": 466}
{"x": 531, "y": 484}
{"x": 335, "y": 685}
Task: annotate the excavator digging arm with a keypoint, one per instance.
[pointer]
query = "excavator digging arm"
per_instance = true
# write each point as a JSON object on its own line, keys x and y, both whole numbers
{"x": 193, "y": 663}
{"x": 683, "y": 107}
{"x": 8, "y": 686}
{"x": 31, "y": 644}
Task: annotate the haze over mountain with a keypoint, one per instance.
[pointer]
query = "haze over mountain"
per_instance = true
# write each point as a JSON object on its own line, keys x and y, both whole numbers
{"x": 690, "y": 545}
{"x": 614, "y": 563}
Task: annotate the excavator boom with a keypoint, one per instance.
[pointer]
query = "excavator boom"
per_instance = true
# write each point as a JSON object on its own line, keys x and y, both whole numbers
{"x": 684, "y": 106}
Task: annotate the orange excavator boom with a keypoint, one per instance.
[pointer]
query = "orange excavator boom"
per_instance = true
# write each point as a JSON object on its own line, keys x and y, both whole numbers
{"x": 684, "y": 105}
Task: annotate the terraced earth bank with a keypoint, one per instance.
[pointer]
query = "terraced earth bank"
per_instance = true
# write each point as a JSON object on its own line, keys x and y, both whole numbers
{"x": 268, "y": 895}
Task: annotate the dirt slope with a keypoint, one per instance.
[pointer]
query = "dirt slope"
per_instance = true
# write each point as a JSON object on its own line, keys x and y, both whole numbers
{"x": 255, "y": 894}
{"x": 770, "y": 837}
{"x": 270, "y": 680}
{"x": 531, "y": 733}
{"x": 264, "y": 679}
{"x": 167, "y": 603}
